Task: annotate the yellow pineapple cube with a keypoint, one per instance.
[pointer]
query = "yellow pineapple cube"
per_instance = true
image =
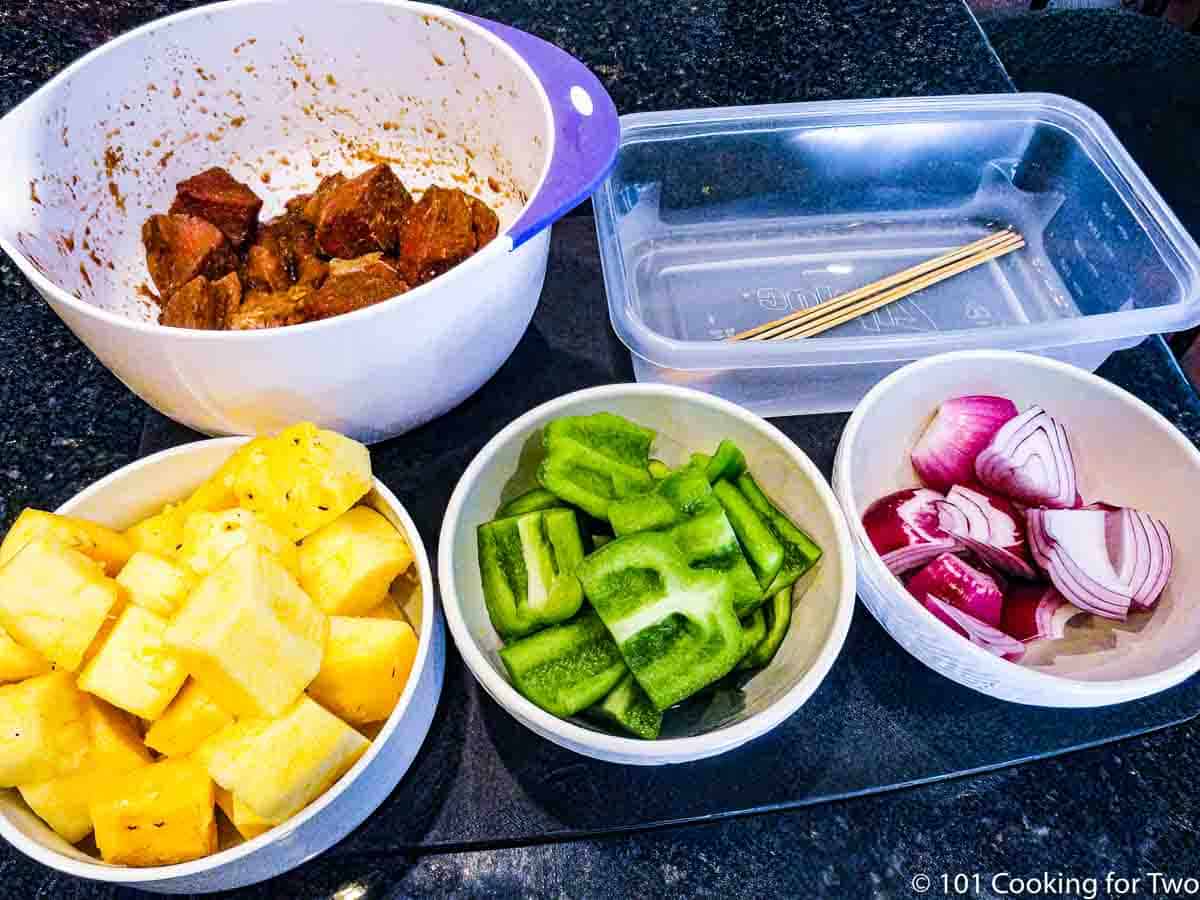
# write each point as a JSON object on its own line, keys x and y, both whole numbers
{"x": 161, "y": 533}
{"x": 111, "y": 548}
{"x": 43, "y": 729}
{"x": 248, "y": 823}
{"x": 218, "y": 492}
{"x": 134, "y": 669}
{"x": 406, "y": 593}
{"x": 279, "y": 766}
{"x": 249, "y": 635}
{"x": 388, "y": 609}
{"x": 191, "y": 718}
{"x": 156, "y": 815}
{"x": 155, "y": 583}
{"x": 303, "y": 478}
{"x": 18, "y": 663}
{"x": 54, "y": 600}
{"x": 366, "y": 665}
{"x": 115, "y": 747}
{"x": 210, "y": 537}
{"x": 346, "y": 566}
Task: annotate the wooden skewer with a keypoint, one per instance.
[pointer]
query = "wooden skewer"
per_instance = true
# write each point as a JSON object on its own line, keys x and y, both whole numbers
{"x": 870, "y": 304}
{"x": 774, "y": 329}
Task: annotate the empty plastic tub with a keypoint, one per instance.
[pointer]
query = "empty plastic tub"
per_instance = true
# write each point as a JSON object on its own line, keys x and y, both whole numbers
{"x": 717, "y": 220}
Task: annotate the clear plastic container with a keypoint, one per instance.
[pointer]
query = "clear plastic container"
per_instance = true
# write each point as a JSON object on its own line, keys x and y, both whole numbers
{"x": 717, "y": 220}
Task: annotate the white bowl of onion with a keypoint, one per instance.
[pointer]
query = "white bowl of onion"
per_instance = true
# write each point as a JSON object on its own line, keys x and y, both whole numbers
{"x": 1040, "y": 552}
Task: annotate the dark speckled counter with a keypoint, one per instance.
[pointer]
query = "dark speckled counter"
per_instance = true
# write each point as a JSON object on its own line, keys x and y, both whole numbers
{"x": 1127, "y": 808}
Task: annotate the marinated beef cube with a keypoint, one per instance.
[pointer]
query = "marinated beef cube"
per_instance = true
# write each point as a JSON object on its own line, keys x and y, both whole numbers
{"x": 353, "y": 284}
{"x": 217, "y": 197}
{"x": 265, "y": 269}
{"x": 284, "y": 254}
{"x": 363, "y": 214}
{"x": 309, "y": 206}
{"x": 441, "y": 230}
{"x": 202, "y": 303}
{"x": 179, "y": 248}
{"x": 264, "y": 309}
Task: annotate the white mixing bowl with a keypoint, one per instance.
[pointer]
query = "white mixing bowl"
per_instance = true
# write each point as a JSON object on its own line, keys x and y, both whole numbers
{"x": 140, "y": 489}
{"x": 281, "y": 93}
{"x": 686, "y": 420}
{"x": 1126, "y": 454}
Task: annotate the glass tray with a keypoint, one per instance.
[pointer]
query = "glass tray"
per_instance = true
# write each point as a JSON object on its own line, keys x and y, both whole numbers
{"x": 880, "y": 721}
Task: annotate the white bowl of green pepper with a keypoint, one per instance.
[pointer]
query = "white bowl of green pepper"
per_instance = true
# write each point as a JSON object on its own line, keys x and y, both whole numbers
{"x": 646, "y": 574}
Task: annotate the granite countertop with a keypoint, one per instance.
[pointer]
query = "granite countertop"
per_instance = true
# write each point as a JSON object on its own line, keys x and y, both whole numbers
{"x": 1126, "y": 808}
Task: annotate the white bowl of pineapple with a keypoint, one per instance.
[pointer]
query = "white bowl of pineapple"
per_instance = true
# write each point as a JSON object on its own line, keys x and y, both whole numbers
{"x": 215, "y": 663}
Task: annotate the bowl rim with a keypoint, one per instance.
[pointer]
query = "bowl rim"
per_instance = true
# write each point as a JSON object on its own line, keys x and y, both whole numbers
{"x": 1075, "y": 692}
{"x": 100, "y": 871}
{"x": 628, "y": 749}
{"x": 501, "y": 245}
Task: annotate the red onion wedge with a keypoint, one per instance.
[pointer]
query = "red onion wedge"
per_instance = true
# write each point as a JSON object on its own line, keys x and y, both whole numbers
{"x": 1036, "y": 611}
{"x": 1072, "y": 547}
{"x": 905, "y": 529}
{"x": 1030, "y": 461}
{"x": 990, "y": 527}
{"x": 1141, "y": 547}
{"x": 960, "y": 584}
{"x": 945, "y": 453}
{"x": 993, "y": 640}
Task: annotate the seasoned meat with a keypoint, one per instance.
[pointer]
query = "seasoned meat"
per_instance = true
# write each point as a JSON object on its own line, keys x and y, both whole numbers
{"x": 441, "y": 230}
{"x": 265, "y": 270}
{"x": 363, "y": 214}
{"x": 179, "y": 248}
{"x": 309, "y": 206}
{"x": 216, "y": 266}
{"x": 202, "y": 303}
{"x": 284, "y": 254}
{"x": 353, "y": 284}
{"x": 217, "y": 197}
{"x": 265, "y": 309}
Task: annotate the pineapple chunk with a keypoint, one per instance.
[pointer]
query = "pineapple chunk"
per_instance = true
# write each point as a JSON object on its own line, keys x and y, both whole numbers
{"x": 248, "y": 823}
{"x": 279, "y": 766}
{"x": 43, "y": 729}
{"x": 191, "y": 718}
{"x": 54, "y": 600}
{"x": 366, "y": 665}
{"x": 111, "y": 548}
{"x": 249, "y": 635}
{"x": 218, "y": 492}
{"x": 134, "y": 669}
{"x": 156, "y": 815}
{"x": 116, "y": 747}
{"x": 208, "y": 538}
{"x": 161, "y": 533}
{"x": 346, "y": 566}
{"x": 17, "y": 663}
{"x": 154, "y": 583}
{"x": 303, "y": 478}
{"x": 388, "y": 609}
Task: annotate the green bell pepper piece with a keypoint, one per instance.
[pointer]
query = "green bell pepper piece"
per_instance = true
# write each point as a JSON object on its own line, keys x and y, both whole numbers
{"x": 593, "y": 460}
{"x": 800, "y": 553}
{"x": 763, "y": 550}
{"x": 658, "y": 469}
{"x": 673, "y": 499}
{"x": 727, "y": 462}
{"x": 565, "y": 668}
{"x": 627, "y": 708}
{"x": 674, "y": 624}
{"x": 683, "y": 505}
{"x": 530, "y": 501}
{"x": 777, "y": 616}
{"x": 527, "y": 564}
{"x": 754, "y": 629}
